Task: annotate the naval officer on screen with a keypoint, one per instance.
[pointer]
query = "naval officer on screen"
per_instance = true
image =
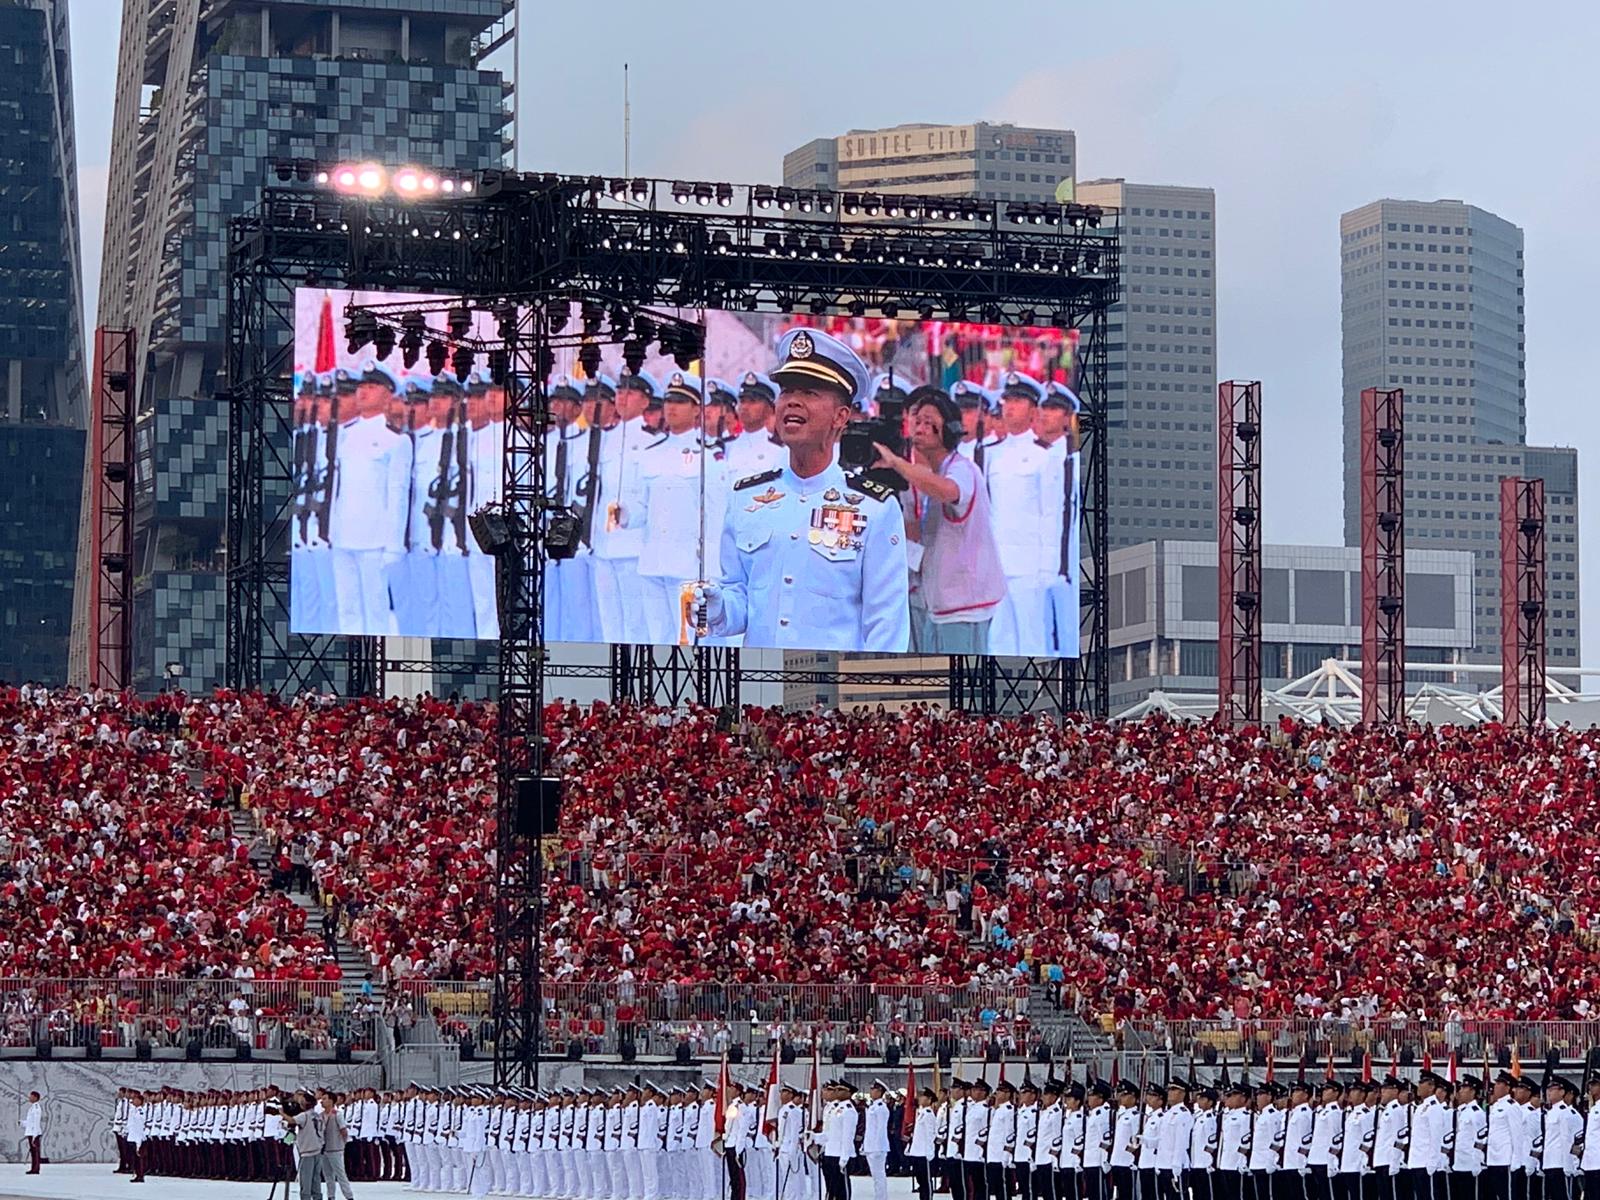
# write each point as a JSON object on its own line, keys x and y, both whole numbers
{"x": 810, "y": 558}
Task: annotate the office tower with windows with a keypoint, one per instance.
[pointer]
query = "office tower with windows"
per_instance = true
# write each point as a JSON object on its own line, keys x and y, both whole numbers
{"x": 209, "y": 93}
{"x": 1432, "y": 300}
{"x": 42, "y": 394}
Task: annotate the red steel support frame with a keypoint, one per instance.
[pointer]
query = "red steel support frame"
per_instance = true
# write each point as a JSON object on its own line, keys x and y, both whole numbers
{"x": 1383, "y": 556}
{"x": 1239, "y": 552}
{"x": 1522, "y": 602}
{"x": 111, "y": 510}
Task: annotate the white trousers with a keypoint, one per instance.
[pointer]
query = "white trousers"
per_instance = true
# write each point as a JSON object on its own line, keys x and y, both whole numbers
{"x": 880, "y": 1175}
{"x": 361, "y": 592}
{"x": 650, "y": 1174}
{"x": 1020, "y": 624}
{"x": 617, "y": 599}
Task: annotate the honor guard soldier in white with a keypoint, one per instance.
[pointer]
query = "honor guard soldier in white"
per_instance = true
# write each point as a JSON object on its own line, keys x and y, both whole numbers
{"x": 757, "y": 447}
{"x": 618, "y": 532}
{"x": 371, "y": 501}
{"x": 486, "y": 440}
{"x": 979, "y": 409}
{"x": 672, "y": 473}
{"x": 569, "y": 587}
{"x": 811, "y": 559}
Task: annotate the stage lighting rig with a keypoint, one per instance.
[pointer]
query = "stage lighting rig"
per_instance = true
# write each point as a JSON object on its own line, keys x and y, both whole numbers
{"x": 459, "y": 319}
{"x": 436, "y": 357}
{"x": 461, "y": 362}
{"x": 383, "y": 341}
{"x": 360, "y": 327}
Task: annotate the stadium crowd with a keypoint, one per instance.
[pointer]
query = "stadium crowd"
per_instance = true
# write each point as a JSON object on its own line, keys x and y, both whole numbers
{"x": 1150, "y": 869}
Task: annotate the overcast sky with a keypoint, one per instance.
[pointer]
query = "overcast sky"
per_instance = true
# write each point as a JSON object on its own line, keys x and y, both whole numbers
{"x": 1293, "y": 112}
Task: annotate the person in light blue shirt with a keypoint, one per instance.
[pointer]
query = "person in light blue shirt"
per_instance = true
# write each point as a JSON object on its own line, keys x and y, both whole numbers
{"x": 812, "y": 559}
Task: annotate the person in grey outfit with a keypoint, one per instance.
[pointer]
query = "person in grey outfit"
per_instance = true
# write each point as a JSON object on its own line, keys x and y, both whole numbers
{"x": 335, "y": 1136}
{"x": 310, "y": 1127}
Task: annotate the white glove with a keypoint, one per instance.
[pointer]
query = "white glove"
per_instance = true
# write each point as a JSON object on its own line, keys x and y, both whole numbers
{"x": 709, "y": 597}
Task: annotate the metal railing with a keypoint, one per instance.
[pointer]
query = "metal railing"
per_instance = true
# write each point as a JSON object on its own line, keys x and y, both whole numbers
{"x": 267, "y": 1015}
{"x": 1389, "y": 1040}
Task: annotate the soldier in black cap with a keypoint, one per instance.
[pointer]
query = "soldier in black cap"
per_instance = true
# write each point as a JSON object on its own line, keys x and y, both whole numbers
{"x": 1093, "y": 1143}
{"x": 951, "y": 1165}
{"x": 1049, "y": 1141}
{"x": 1204, "y": 1134}
{"x": 1124, "y": 1141}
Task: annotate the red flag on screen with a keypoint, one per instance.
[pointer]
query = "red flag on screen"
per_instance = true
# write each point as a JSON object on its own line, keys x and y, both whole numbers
{"x": 327, "y": 356}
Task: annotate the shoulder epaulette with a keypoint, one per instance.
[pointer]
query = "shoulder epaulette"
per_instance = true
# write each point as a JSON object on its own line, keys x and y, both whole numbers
{"x": 753, "y": 480}
{"x": 872, "y": 487}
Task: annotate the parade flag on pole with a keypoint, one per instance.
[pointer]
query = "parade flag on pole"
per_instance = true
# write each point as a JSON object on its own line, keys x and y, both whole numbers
{"x": 1427, "y": 1062}
{"x": 769, "y": 1121}
{"x": 1366, "y": 1065}
{"x": 1452, "y": 1070}
{"x": 814, "y": 1098}
{"x": 722, "y": 1096}
{"x": 1516, "y": 1063}
{"x": 327, "y": 357}
{"x": 938, "y": 1081}
{"x": 1327, "y": 1074}
{"x": 1271, "y": 1057}
{"x": 908, "y": 1118}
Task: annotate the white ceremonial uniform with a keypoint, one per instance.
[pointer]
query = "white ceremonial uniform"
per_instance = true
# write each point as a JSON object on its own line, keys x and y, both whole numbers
{"x": 753, "y": 452}
{"x": 1326, "y": 1124}
{"x": 1505, "y": 1134}
{"x": 710, "y": 1162}
{"x": 414, "y": 580}
{"x": 1233, "y": 1140}
{"x": 1358, "y": 1135}
{"x": 1467, "y": 1131}
{"x": 814, "y": 563}
{"x": 761, "y": 1173}
{"x": 1027, "y": 1134}
{"x": 875, "y": 1147}
{"x": 367, "y": 519}
{"x": 1426, "y": 1151}
{"x": 793, "y": 1165}
{"x": 669, "y": 509}
{"x": 1391, "y": 1127}
{"x": 473, "y": 1142}
{"x": 1562, "y": 1127}
{"x": 486, "y": 476}
{"x": 632, "y": 1164}
{"x": 1123, "y": 1134}
{"x": 1001, "y": 1143}
{"x": 1265, "y": 1142}
{"x": 924, "y": 1130}
{"x": 618, "y": 534}
{"x": 569, "y": 599}
{"x": 1300, "y": 1131}
{"x": 1204, "y": 1134}
{"x": 1591, "y": 1140}
{"x": 1177, "y": 1123}
{"x": 1026, "y": 487}
{"x": 1528, "y": 1117}
{"x": 675, "y": 1180}
{"x": 976, "y": 1126}
{"x": 1047, "y": 1137}
{"x": 1090, "y": 1138}
{"x": 650, "y": 1138}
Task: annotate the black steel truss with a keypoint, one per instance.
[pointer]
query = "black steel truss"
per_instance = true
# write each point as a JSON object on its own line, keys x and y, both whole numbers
{"x": 524, "y": 243}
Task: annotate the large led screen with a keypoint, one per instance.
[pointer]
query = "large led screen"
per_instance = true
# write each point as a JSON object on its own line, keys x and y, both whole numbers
{"x": 812, "y": 483}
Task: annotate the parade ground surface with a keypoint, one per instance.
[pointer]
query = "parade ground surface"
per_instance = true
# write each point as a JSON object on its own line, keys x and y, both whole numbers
{"x": 69, "y": 1181}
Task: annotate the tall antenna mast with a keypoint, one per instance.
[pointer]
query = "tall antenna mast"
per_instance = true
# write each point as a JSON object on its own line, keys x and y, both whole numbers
{"x": 627, "y": 126}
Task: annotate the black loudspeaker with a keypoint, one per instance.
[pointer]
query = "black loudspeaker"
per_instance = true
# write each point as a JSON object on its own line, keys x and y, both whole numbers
{"x": 91, "y": 1048}
{"x": 242, "y": 1051}
{"x": 836, "y": 1055}
{"x": 538, "y": 807}
{"x": 786, "y": 1053}
{"x": 628, "y": 1050}
{"x": 141, "y": 1050}
{"x": 736, "y": 1054}
{"x": 574, "y": 1051}
{"x": 291, "y": 1052}
{"x": 341, "y": 1052}
{"x": 681, "y": 1055}
{"x": 891, "y": 1056}
{"x": 192, "y": 1050}
{"x": 42, "y": 1047}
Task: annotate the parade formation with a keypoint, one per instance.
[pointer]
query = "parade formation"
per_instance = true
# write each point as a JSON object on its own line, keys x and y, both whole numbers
{"x": 1394, "y": 1138}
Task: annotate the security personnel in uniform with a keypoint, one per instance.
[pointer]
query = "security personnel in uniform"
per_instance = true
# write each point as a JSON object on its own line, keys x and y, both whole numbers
{"x": 980, "y": 432}
{"x": 370, "y": 503}
{"x": 811, "y": 559}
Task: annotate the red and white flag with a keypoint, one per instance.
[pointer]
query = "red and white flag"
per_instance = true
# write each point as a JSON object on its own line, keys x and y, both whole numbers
{"x": 908, "y": 1115}
{"x": 722, "y": 1096}
{"x": 814, "y": 1098}
{"x": 769, "y": 1119}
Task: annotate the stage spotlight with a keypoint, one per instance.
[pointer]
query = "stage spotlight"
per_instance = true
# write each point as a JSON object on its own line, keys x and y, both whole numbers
{"x": 703, "y": 194}
{"x": 589, "y": 359}
{"x": 858, "y": 308}
{"x": 407, "y": 182}
{"x": 303, "y": 169}
{"x": 344, "y": 178}
{"x": 806, "y": 202}
{"x": 871, "y": 205}
{"x": 621, "y": 321}
{"x": 818, "y": 306}
{"x": 412, "y": 327}
{"x": 891, "y": 207}
{"x": 925, "y": 312}
{"x": 852, "y": 204}
{"x": 825, "y": 201}
{"x": 436, "y": 356}
{"x": 633, "y": 352}
{"x": 681, "y": 192}
{"x": 284, "y": 170}
{"x": 763, "y": 196}
{"x": 556, "y": 316}
{"x": 323, "y": 177}
{"x": 359, "y": 328}
{"x": 507, "y": 317}
{"x": 724, "y": 194}
{"x": 641, "y": 191}
{"x": 383, "y": 341}
{"x": 461, "y": 362}
{"x": 722, "y": 242}
{"x": 592, "y": 315}
{"x": 1026, "y": 317}
{"x": 460, "y": 321}
{"x": 891, "y": 310}
{"x": 644, "y": 329}
{"x": 370, "y": 178}
{"x": 785, "y": 199}
{"x": 447, "y": 186}
{"x": 499, "y": 366}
